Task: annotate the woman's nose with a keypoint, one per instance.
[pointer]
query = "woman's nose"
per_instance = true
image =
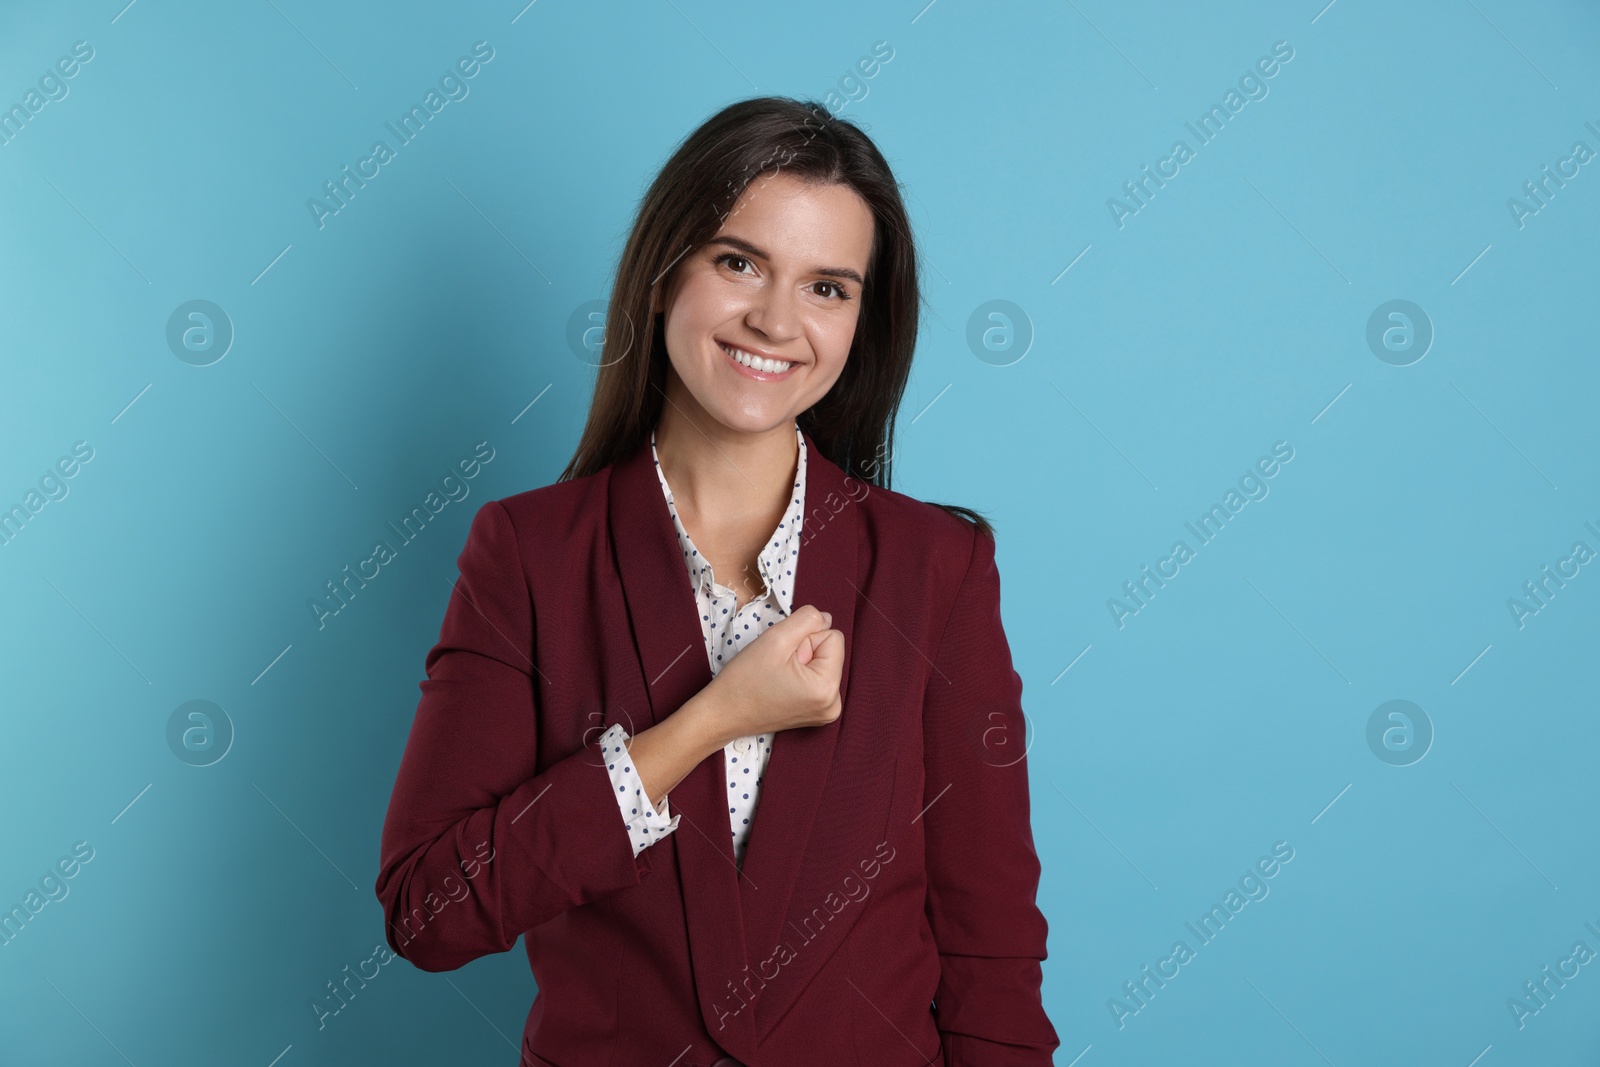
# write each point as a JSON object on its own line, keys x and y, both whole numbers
{"x": 774, "y": 315}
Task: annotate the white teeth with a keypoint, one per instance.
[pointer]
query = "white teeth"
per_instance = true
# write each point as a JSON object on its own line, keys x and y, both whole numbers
{"x": 766, "y": 366}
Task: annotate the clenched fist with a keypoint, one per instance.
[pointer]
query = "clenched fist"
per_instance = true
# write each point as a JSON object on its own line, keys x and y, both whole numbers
{"x": 787, "y": 677}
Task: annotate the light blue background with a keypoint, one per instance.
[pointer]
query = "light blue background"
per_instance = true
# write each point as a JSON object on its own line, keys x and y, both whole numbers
{"x": 1228, "y": 314}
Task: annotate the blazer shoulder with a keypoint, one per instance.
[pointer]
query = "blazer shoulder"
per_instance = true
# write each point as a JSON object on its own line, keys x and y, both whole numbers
{"x": 557, "y": 513}
{"x": 946, "y": 531}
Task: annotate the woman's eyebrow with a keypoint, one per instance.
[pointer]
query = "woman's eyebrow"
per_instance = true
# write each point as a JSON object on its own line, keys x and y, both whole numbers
{"x": 745, "y": 246}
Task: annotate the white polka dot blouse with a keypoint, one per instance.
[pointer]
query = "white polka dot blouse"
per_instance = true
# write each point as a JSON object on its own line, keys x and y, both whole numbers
{"x": 727, "y": 628}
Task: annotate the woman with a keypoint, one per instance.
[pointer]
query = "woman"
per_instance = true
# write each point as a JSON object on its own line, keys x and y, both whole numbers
{"x": 809, "y": 844}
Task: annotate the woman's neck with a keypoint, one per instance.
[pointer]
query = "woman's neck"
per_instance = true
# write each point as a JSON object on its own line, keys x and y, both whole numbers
{"x": 723, "y": 476}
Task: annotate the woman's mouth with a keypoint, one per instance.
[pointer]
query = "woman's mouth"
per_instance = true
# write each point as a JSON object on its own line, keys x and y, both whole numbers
{"x": 763, "y": 370}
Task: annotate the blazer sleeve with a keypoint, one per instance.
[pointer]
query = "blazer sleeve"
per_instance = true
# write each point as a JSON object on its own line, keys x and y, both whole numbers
{"x": 478, "y": 844}
{"x": 983, "y": 873}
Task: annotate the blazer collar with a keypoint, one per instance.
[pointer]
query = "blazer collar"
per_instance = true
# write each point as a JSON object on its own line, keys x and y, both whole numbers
{"x": 735, "y": 917}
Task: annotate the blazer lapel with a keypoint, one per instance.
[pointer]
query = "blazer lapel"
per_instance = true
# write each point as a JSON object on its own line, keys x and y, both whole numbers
{"x": 729, "y": 910}
{"x": 792, "y": 785}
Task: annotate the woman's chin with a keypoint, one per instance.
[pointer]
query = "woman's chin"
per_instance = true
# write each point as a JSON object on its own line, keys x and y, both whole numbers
{"x": 753, "y": 420}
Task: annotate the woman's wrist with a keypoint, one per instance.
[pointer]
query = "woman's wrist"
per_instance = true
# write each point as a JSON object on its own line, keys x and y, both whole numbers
{"x": 701, "y": 719}
{"x": 664, "y": 754}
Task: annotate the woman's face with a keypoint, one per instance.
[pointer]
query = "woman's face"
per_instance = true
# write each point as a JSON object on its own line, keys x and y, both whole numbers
{"x": 780, "y": 281}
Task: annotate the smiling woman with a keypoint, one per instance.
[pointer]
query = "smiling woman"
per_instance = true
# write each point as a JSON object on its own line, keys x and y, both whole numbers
{"x": 730, "y": 493}
{"x": 739, "y": 324}
{"x": 766, "y": 178}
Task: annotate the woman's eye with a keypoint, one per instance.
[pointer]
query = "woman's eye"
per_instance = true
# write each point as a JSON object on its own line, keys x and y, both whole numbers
{"x": 734, "y": 262}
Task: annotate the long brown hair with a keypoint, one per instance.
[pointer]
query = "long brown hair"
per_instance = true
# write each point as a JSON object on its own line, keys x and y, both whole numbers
{"x": 697, "y": 188}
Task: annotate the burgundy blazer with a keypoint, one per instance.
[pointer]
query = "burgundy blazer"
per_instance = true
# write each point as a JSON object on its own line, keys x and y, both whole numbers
{"x": 885, "y": 913}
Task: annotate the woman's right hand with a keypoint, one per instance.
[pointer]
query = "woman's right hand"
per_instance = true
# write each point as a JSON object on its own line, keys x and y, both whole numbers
{"x": 787, "y": 677}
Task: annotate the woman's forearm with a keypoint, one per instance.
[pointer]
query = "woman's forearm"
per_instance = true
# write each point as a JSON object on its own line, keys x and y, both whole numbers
{"x": 664, "y": 754}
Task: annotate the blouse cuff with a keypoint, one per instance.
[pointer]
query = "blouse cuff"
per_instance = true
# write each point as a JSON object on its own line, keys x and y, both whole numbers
{"x": 645, "y": 825}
